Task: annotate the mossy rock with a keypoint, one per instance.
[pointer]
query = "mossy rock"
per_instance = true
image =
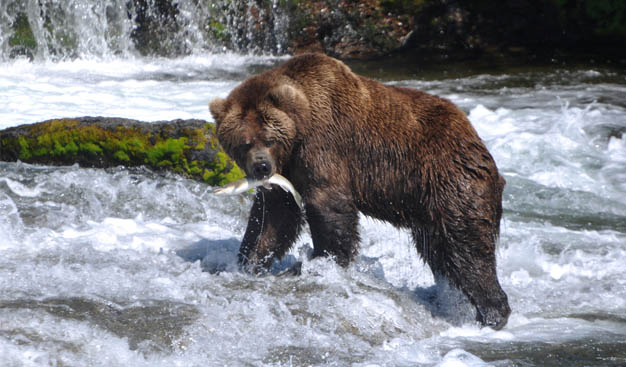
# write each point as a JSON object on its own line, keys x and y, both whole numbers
{"x": 186, "y": 147}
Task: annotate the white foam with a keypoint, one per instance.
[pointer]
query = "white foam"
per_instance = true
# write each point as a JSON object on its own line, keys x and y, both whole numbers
{"x": 461, "y": 358}
{"x": 617, "y": 148}
{"x": 492, "y": 124}
{"x": 146, "y": 89}
{"x": 521, "y": 140}
{"x": 11, "y": 224}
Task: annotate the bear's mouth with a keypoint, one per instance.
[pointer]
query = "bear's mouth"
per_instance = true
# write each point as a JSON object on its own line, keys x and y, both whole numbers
{"x": 260, "y": 163}
{"x": 261, "y": 170}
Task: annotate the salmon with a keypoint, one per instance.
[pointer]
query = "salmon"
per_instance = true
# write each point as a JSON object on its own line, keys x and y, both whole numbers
{"x": 245, "y": 184}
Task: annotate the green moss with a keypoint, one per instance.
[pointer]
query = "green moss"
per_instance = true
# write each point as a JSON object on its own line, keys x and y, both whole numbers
{"x": 90, "y": 148}
{"x": 196, "y": 137}
{"x": 58, "y": 149}
{"x": 170, "y": 149}
{"x": 195, "y": 171}
{"x": 45, "y": 141}
{"x": 206, "y": 176}
{"x": 41, "y": 152}
{"x": 218, "y": 31}
{"x": 234, "y": 174}
{"x": 24, "y": 153}
{"x": 121, "y": 156}
{"x": 70, "y": 148}
{"x": 211, "y": 128}
{"x": 22, "y": 33}
{"x": 165, "y": 164}
{"x": 223, "y": 171}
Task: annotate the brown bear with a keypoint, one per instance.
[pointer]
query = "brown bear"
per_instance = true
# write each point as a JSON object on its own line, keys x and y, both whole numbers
{"x": 350, "y": 144}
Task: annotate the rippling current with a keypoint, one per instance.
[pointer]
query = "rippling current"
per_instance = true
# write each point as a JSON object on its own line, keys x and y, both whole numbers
{"x": 125, "y": 267}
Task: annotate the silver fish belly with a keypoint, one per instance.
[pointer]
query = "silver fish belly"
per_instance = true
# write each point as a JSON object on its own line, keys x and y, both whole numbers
{"x": 245, "y": 184}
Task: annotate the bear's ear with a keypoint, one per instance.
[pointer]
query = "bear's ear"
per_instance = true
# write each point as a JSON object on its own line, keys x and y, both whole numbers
{"x": 217, "y": 107}
{"x": 285, "y": 95}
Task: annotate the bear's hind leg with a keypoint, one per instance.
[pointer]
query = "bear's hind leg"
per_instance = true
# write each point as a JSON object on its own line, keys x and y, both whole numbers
{"x": 468, "y": 261}
{"x": 476, "y": 276}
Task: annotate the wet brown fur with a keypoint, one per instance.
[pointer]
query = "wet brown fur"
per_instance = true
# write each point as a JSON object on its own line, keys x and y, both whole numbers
{"x": 350, "y": 144}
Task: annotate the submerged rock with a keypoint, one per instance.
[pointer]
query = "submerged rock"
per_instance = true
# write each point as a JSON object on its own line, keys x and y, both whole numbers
{"x": 186, "y": 147}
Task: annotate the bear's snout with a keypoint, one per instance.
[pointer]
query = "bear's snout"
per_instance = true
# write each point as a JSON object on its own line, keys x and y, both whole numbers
{"x": 260, "y": 164}
{"x": 261, "y": 170}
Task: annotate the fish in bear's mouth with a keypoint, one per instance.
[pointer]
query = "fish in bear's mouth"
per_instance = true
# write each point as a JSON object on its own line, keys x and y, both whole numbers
{"x": 245, "y": 184}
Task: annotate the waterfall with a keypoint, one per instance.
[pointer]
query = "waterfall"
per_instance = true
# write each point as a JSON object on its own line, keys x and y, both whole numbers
{"x": 66, "y": 29}
{"x": 49, "y": 29}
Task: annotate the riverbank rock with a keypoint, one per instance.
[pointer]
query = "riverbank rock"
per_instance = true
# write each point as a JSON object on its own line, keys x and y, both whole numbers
{"x": 186, "y": 147}
{"x": 351, "y": 30}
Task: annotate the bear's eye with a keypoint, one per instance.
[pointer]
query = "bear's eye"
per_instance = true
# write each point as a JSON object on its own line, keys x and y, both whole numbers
{"x": 243, "y": 149}
{"x": 269, "y": 143}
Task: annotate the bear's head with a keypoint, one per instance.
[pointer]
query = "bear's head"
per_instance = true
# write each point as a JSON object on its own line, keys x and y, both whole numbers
{"x": 257, "y": 124}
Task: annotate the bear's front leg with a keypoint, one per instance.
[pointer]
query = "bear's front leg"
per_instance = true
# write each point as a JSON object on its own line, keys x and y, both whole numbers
{"x": 333, "y": 220}
{"x": 274, "y": 224}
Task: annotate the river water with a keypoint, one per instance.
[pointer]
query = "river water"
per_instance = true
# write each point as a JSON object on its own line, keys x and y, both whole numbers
{"x": 123, "y": 267}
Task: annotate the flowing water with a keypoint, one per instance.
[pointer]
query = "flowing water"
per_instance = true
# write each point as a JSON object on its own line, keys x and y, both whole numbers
{"x": 123, "y": 267}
